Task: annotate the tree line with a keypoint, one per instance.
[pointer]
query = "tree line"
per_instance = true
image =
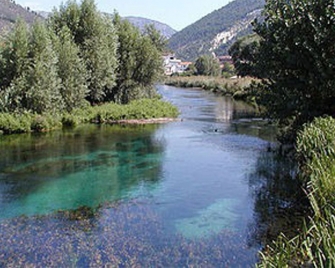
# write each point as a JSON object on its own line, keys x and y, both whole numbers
{"x": 79, "y": 57}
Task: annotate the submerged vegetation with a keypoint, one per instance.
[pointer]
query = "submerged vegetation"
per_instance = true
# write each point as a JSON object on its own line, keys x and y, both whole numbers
{"x": 123, "y": 235}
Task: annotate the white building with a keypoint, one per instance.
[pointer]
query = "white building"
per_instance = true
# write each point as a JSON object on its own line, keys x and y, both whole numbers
{"x": 173, "y": 65}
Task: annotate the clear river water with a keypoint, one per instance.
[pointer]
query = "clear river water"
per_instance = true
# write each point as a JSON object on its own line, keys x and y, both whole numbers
{"x": 179, "y": 194}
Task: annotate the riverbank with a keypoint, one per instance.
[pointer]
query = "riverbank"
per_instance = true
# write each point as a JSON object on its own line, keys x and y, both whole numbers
{"x": 137, "y": 112}
{"x": 314, "y": 246}
{"x": 235, "y": 87}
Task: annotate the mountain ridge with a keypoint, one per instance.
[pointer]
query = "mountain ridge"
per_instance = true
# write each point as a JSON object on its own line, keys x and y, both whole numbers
{"x": 140, "y": 22}
{"x": 10, "y": 12}
{"x": 215, "y": 32}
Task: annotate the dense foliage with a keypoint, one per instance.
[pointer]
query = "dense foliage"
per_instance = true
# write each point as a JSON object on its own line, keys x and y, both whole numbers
{"x": 140, "y": 62}
{"x": 195, "y": 39}
{"x": 295, "y": 59}
{"x": 79, "y": 56}
{"x": 95, "y": 36}
{"x": 207, "y": 65}
{"x": 244, "y": 53}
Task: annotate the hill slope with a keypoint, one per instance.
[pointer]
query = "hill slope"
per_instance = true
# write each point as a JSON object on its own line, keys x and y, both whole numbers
{"x": 139, "y": 22}
{"x": 10, "y": 12}
{"x": 216, "y": 31}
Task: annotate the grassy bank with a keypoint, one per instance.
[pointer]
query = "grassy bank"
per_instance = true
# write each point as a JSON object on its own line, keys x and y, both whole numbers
{"x": 236, "y": 87}
{"x": 315, "y": 246}
{"x": 107, "y": 113}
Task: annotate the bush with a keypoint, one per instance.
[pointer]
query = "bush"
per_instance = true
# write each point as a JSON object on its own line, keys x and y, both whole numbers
{"x": 13, "y": 123}
{"x": 45, "y": 122}
{"x": 70, "y": 120}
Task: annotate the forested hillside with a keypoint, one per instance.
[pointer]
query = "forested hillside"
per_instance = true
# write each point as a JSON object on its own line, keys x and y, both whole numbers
{"x": 216, "y": 31}
{"x": 10, "y": 12}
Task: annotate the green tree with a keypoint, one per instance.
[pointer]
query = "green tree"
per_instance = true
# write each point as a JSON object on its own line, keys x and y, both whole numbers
{"x": 14, "y": 54}
{"x": 42, "y": 93}
{"x": 94, "y": 34}
{"x": 207, "y": 65}
{"x": 71, "y": 70}
{"x": 245, "y": 52}
{"x": 13, "y": 61}
{"x": 140, "y": 63}
{"x": 296, "y": 61}
{"x": 158, "y": 40}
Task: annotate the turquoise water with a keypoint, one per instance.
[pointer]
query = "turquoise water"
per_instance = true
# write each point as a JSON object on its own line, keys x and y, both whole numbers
{"x": 175, "y": 194}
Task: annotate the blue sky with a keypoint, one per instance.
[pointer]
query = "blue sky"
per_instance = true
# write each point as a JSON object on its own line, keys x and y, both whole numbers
{"x": 176, "y": 13}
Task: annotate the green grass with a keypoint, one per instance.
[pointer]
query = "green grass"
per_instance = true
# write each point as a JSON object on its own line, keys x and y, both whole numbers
{"x": 138, "y": 109}
{"x": 226, "y": 86}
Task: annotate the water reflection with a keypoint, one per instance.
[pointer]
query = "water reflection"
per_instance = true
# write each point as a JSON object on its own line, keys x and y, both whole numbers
{"x": 86, "y": 167}
{"x": 279, "y": 199}
{"x": 227, "y": 109}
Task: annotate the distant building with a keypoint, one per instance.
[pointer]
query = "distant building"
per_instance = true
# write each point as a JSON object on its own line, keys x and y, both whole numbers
{"x": 184, "y": 65}
{"x": 224, "y": 59}
{"x": 173, "y": 65}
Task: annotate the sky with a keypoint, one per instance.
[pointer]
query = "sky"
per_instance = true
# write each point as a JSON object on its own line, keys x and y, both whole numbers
{"x": 176, "y": 13}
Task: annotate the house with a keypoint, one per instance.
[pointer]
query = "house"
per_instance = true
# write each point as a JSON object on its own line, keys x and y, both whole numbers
{"x": 225, "y": 59}
{"x": 184, "y": 65}
{"x": 173, "y": 65}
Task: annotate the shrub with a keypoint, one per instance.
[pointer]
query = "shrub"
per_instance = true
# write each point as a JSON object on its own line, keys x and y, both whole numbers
{"x": 70, "y": 120}
{"x": 15, "y": 123}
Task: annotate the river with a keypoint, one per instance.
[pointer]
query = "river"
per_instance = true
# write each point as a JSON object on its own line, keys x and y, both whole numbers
{"x": 181, "y": 194}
